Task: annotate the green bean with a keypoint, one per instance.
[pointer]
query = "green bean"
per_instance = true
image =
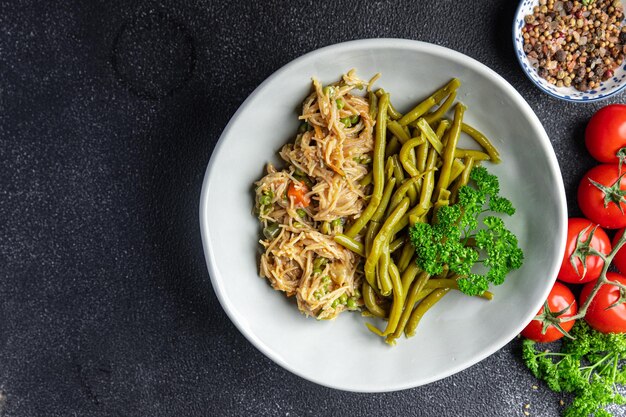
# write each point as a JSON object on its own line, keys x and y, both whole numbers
{"x": 402, "y": 223}
{"x": 401, "y": 192}
{"x": 384, "y": 282}
{"x": 372, "y": 230}
{"x": 349, "y": 243}
{"x": 427, "y": 188}
{"x": 482, "y": 141}
{"x": 441, "y": 111}
{"x": 422, "y": 154}
{"x": 369, "y": 299}
{"x": 388, "y": 169}
{"x": 398, "y": 172}
{"x": 430, "y": 102}
{"x": 463, "y": 180}
{"x": 430, "y": 135}
{"x": 384, "y": 202}
{"x": 409, "y": 274}
{"x": 412, "y": 193}
{"x": 393, "y": 113}
{"x": 422, "y": 308}
{"x": 391, "y": 110}
{"x": 457, "y": 169}
{"x": 396, "y": 244}
{"x": 392, "y": 147}
{"x": 448, "y": 153}
{"x": 398, "y": 131}
{"x": 382, "y": 239}
{"x": 398, "y": 299}
{"x": 366, "y": 180}
{"x": 410, "y": 300}
{"x": 441, "y": 128}
{"x": 405, "y": 256}
{"x": 373, "y": 99}
{"x": 453, "y": 284}
{"x": 374, "y": 224}
{"x": 378, "y": 169}
{"x": 477, "y": 155}
{"x": 404, "y": 155}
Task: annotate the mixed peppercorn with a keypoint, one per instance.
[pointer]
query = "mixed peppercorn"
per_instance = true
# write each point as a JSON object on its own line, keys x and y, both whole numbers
{"x": 575, "y": 43}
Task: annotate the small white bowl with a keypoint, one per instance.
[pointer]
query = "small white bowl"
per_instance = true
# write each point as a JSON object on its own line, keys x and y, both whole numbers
{"x": 606, "y": 89}
{"x": 460, "y": 330}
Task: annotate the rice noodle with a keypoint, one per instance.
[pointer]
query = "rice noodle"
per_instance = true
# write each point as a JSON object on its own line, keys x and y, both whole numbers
{"x": 331, "y": 154}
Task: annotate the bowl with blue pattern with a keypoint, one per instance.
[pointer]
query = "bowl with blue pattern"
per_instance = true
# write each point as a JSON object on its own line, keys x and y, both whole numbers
{"x": 606, "y": 89}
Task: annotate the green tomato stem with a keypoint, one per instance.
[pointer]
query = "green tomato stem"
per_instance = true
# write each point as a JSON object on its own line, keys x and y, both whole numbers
{"x": 582, "y": 311}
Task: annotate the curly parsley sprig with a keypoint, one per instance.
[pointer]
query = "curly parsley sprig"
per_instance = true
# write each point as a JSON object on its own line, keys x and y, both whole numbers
{"x": 463, "y": 235}
{"x": 590, "y": 366}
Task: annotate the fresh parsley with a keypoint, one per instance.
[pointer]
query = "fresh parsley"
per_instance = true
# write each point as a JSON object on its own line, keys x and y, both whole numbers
{"x": 463, "y": 235}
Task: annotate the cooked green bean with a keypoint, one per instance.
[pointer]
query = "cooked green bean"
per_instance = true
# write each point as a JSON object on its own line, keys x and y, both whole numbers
{"x": 401, "y": 192}
{"x": 378, "y": 169}
{"x": 388, "y": 169}
{"x": 482, "y": 141}
{"x": 441, "y": 128}
{"x": 452, "y": 283}
{"x": 384, "y": 282}
{"x": 366, "y": 180}
{"x": 410, "y": 300}
{"x": 373, "y": 104}
{"x": 421, "y": 155}
{"x": 408, "y": 165}
{"x": 442, "y": 110}
{"x": 396, "y": 244}
{"x": 428, "y": 186}
{"x": 384, "y": 202}
{"x": 448, "y": 153}
{"x": 463, "y": 180}
{"x": 409, "y": 274}
{"x": 398, "y": 300}
{"x": 457, "y": 169}
{"x": 430, "y": 102}
{"x": 349, "y": 243}
{"x": 393, "y": 113}
{"x": 430, "y": 135}
{"x": 392, "y": 147}
{"x": 369, "y": 299}
{"x": 391, "y": 110}
{"x": 477, "y": 155}
{"x": 422, "y": 308}
{"x": 398, "y": 131}
{"x": 382, "y": 239}
{"x": 372, "y": 230}
{"x": 405, "y": 257}
{"x": 402, "y": 223}
{"x": 398, "y": 172}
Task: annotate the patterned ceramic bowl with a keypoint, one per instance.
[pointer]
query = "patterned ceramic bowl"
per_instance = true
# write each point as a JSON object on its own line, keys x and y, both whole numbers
{"x": 606, "y": 89}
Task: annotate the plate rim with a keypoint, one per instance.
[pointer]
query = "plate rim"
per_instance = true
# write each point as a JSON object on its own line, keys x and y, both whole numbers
{"x": 377, "y": 43}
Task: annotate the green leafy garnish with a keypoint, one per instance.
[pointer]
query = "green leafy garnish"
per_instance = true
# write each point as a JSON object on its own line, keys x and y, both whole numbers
{"x": 588, "y": 366}
{"x": 455, "y": 240}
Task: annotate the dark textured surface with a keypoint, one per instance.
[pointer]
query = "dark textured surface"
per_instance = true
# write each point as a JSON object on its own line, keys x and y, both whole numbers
{"x": 109, "y": 112}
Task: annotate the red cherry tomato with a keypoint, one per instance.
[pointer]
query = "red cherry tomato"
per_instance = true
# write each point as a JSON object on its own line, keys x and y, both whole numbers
{"x": 601, "y": 318}
{"x": 620, "y": 257}
{"x": 560, "y": 298}
{"x": 606, "y": 133}
{"x": 579, "y": 247}
{"x": 599, "y": 194}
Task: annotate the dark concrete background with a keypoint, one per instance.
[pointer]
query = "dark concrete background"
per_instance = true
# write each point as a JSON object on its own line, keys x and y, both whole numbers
{"x": 109, "y": 111}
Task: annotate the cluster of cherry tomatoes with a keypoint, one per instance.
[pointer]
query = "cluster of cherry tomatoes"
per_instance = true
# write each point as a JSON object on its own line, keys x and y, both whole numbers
{"x": 601, "y": 198}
